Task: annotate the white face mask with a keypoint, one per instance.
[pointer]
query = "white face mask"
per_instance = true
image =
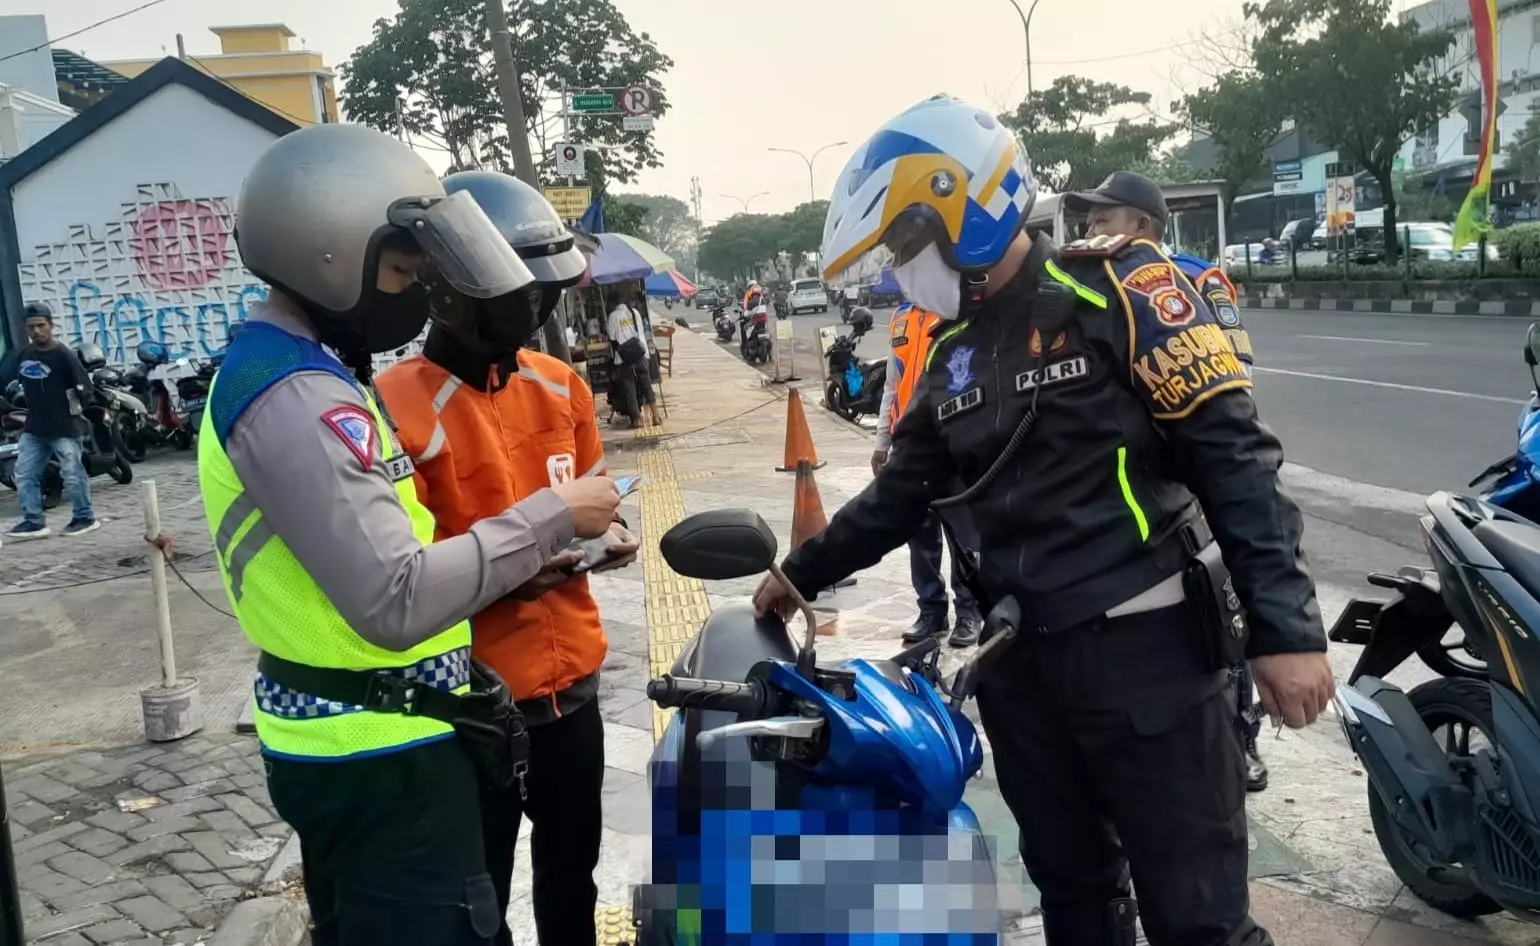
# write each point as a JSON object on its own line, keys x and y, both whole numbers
{"x": 930, "y": 283}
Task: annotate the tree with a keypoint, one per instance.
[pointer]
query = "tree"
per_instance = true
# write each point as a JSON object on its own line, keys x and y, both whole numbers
{"x": 669, "y": 225}
{"x": 1523, "y": 152}
{"x": 738, "y": 247}
{"x": 429, "y": 69}
{"x": 1241, "y": 116}
{"x": 1172, "y": 167}
{"x": 624, "y": 215}
{"x": 1059, "y": 125}
{"x": 802, "y": 228}
{"x": 1360, "y": 81}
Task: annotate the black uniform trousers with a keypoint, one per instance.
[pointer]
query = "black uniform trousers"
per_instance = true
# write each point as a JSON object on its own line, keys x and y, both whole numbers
{"x": 392, "y": 847}
{"x": 565, "y": 786}
{"x": 925, "y": 566}
{"x": 1115, "y": 750}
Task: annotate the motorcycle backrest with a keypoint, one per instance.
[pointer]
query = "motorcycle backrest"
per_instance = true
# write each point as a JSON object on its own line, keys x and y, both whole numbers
{"x": 153, "y": 353}
{"x": 719, "y": 545}
{"x": 91, "y": 356}
{"x": 107, "y": 377}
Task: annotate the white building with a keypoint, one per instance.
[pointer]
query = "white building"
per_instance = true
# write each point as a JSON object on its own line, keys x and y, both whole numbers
{"x": 1455, "y": 142}
{"x": 29, "y": 94}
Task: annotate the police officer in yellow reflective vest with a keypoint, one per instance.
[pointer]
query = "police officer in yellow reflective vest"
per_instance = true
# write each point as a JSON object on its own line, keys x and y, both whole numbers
{"x": 910, "y": 329}
{"x": 364, "y": 702}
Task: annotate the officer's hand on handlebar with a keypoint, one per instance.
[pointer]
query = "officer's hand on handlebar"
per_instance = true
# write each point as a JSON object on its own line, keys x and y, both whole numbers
{"x": 1293, "y": 688}
{"x": 593, "y": 501}
{"x": 774, "y": 598}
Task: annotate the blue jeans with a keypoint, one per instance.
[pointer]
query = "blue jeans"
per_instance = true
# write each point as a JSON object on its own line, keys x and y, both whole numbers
{"x": 32, "y": 460}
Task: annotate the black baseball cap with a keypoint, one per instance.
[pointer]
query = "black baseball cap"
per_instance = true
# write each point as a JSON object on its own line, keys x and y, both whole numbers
{"x": 1122, "y": 189}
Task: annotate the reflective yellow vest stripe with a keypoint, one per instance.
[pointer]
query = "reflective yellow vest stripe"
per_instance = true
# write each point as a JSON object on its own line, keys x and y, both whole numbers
{"x": 284, "y": 612}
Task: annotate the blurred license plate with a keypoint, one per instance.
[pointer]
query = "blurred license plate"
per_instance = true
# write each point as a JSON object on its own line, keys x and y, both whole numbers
{"x": 9, "y": 449}
{"x": 196, "y": 404}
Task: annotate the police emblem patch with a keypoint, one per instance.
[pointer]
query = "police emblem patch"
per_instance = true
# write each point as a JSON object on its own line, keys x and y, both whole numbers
{"x": 1172, "y": 307}
{"x": 960, "y": 367}
{"x": 355, "y": 428}
{"x": 1035, "y": 346}
{"x": 1224, "y": 308}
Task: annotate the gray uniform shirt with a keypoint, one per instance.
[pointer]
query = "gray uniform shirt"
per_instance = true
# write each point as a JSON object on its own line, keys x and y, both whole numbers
{"x": 347, "y": 527}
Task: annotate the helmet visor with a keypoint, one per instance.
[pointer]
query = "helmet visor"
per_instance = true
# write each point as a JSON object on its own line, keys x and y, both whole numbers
{"x": 462, "y": 245}
{"x": 559, "y": 264}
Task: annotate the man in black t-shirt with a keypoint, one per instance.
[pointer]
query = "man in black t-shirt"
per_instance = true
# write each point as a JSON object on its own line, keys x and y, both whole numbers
{"x": 56, "y": 387}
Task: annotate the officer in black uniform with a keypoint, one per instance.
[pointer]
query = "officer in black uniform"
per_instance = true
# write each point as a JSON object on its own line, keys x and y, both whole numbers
{"x": 1101, "y": 424}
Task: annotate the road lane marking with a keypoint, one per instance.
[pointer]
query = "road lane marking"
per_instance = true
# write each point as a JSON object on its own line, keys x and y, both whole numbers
{"x": 1389, "y": 384}
{"x": 1372, "y": 341}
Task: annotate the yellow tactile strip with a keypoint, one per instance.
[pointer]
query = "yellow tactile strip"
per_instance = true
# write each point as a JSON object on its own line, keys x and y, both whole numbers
{"x": 676, "y": 607}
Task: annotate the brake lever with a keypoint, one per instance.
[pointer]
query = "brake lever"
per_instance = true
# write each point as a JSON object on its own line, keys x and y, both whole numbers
{"x": 780, "y": 727}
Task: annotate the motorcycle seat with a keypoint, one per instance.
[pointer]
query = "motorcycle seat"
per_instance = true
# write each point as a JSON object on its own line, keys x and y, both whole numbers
{"x": 1516, "y": 546}
{"x": 728, "y": 646}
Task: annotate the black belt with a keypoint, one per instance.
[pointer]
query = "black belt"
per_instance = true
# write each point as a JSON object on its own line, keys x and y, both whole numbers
{"x": 379, "y": 691}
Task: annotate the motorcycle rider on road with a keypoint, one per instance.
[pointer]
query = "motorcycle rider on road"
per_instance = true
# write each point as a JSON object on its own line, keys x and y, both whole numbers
{"x": 1063, "y": 388}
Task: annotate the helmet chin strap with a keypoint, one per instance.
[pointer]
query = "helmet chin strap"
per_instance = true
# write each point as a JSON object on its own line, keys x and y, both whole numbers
{"x": 974, "y": 286}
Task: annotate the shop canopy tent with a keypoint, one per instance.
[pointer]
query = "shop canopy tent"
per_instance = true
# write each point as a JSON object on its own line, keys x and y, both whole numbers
{"x": 622, "y": 258}
{"x": 670, "y": 285}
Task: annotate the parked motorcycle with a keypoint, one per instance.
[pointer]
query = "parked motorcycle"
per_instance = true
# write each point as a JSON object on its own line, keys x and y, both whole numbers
{"x": 723, "y": 323}
{"x": 126, "y": 414}
{"x": 101, "y": 448}
{"x": 854, "y": 771}
{"x": 151, "y": 381}
{"x": 854, "y": 387}
{"x": 1459, "y": 822}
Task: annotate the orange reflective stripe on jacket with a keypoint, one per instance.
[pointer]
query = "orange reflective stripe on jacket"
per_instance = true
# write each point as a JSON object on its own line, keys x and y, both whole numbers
{"x": 477, "y": 453}
{"x": 910, "y": 329}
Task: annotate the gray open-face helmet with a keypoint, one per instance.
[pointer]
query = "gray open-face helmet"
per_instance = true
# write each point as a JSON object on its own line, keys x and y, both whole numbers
{"x": 318, "y": 204}
{"x": 528, "y": 222}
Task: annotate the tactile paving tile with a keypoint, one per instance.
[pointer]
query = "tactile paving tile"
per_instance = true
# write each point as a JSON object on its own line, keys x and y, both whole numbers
{"x": 614, "y": 926}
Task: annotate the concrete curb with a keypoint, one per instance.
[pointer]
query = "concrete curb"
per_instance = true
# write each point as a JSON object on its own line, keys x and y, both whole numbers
{"x": 1518, "y": 308}
{"x": 264, "y": 921}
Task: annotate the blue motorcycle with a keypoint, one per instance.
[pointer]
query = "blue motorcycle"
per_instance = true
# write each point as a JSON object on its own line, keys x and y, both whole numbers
{"x": 803, "y": 800}
{"x": 854, "y": 387}
{"x": 1416, "y": 618}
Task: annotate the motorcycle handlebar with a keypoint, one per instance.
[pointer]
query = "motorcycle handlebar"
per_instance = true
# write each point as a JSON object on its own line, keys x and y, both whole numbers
{"x": 745, "y": 699}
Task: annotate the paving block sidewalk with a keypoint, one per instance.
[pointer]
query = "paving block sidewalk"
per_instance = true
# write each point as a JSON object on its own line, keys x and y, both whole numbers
{"x": 144, "y": 844}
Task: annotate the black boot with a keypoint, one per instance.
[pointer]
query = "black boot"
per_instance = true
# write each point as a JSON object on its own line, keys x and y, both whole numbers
{"x": 966, "y": 633}
{"x": 1256, "y": 769}
{"x": 926, "y": 626}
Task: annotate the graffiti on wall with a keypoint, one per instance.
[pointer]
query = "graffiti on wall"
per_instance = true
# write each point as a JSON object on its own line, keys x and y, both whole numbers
{"x": 166, "y": 270}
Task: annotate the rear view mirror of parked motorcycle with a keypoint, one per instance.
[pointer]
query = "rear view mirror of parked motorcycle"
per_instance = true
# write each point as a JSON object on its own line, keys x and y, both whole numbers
{"x": 719, "y": 545}
{"x": 1532, "y": 345}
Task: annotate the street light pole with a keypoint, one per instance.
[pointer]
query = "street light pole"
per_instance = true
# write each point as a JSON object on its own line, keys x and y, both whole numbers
{"x": 1026, "y": 29}
{"x": 812, "y": 185}
{"x": 745, "y": 203}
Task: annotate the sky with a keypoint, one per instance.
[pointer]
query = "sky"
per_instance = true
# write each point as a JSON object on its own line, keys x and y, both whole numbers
{"x": 796, "y": 74}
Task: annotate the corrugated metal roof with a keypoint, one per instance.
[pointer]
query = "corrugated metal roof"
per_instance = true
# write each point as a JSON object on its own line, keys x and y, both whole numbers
{"x": 84, "y": 74}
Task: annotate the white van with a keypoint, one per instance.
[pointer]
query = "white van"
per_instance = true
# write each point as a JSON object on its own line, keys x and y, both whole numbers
{"x": 808, "y": 294}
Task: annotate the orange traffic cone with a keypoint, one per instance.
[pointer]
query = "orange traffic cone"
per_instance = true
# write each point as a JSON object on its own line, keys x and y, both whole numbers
{"x": 799, "y": 440}
{"x": 807, "y": 518}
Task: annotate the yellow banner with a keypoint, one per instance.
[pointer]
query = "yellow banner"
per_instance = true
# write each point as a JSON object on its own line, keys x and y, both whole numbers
{"x": 570, "y": 202}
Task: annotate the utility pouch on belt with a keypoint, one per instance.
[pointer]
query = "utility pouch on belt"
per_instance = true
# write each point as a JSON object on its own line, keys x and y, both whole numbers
{"x": 1216, "y": 608}
{"x": 485, "y": 719}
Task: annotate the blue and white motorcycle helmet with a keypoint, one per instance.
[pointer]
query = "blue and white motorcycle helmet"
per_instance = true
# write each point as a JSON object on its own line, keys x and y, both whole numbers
{"x": 943, "y": 173}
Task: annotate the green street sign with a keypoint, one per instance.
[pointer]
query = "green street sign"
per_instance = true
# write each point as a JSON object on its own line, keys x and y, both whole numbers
{"x": 593, "y": 102}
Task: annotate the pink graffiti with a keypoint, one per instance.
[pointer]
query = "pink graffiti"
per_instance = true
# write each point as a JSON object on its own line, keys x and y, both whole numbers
{"x": 182, "y": 244}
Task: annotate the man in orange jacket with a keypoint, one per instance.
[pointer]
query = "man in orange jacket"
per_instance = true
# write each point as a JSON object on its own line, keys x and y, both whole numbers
{"x": 911, "y": 329}
{"x": 488, "y": 424}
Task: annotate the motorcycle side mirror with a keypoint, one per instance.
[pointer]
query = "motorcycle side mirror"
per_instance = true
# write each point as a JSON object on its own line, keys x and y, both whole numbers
{"x": 1532, "y": 345}
{"x": 719, "y": 545}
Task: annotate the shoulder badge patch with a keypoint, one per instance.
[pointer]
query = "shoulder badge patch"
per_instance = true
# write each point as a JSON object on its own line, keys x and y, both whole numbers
{"x": 1224, "y": 308}
{"x": 356, "y": 429}
{"x": 1158, "y": 284}
{"x": 1097, "y": 246}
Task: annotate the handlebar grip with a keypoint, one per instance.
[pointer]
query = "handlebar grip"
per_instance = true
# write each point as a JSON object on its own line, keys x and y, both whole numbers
{"x": 911, "y": 656}
{"x": 689, "y": 693}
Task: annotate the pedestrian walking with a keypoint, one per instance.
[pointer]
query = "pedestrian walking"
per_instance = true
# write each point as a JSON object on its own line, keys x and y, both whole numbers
{"x": 57, "y": 390}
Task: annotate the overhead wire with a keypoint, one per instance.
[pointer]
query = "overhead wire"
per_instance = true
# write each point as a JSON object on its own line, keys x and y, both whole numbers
{"x": 84, "y": 29}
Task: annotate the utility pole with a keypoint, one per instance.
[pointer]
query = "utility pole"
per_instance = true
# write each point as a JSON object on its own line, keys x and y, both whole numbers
{"x": 518, "y": 137}
{"x": 812, "y": 185}
{"x": 700, "y": 225}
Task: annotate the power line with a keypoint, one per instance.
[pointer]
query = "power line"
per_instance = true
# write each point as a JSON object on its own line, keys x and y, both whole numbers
{"x": 84, "y": 29}
{"x": 1143, "y": 52}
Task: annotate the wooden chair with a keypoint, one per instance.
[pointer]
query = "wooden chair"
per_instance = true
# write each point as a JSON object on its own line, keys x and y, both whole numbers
{"x": 665, "y": 349}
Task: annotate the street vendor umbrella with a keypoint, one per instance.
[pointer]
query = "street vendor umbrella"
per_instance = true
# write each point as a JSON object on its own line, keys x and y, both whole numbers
{"x": 669, "y": 285}
{"x": 621, "y": 258}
